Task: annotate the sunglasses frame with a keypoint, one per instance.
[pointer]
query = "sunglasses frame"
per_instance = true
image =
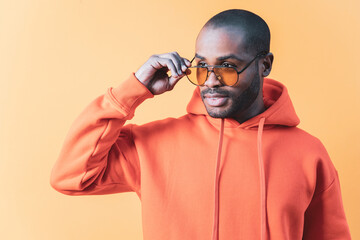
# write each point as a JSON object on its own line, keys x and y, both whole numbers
{"x": 219, "y": 66}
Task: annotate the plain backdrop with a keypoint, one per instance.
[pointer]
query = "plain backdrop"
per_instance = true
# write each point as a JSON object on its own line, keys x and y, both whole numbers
{"x": 57, "y": 56}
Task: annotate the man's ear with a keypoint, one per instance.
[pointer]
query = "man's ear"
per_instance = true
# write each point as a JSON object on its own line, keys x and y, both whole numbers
{"x": 267, "y": 64}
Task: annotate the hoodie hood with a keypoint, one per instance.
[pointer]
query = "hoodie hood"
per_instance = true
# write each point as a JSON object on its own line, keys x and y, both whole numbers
{"x": 279, "y": 108}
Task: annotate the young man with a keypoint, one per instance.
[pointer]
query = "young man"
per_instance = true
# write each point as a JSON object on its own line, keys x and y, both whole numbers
{"x": 235, "y": 167}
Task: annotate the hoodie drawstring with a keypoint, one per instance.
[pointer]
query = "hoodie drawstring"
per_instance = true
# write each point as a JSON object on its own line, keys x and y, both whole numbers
{"x": 262, "y": 180}
{"x": 215, "y": 233}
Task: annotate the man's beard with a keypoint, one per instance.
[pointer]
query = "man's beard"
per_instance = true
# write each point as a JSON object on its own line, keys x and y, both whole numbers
{"x": 240, "y": 102}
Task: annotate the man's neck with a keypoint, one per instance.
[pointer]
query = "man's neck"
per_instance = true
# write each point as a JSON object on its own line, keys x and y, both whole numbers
{"x": 254, "y": 109}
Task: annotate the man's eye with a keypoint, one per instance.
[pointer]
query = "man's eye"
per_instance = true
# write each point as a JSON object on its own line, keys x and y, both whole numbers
{"x": 201, "y": 64}
{"x": 228, "y": 65}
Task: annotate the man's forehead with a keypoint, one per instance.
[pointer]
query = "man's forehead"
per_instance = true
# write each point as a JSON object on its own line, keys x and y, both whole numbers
{"x": 220, "y": 43}
{"x": 232, "y": 56}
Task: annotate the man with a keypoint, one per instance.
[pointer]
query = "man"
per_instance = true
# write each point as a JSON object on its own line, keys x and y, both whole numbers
{"x": 235, "y": 167}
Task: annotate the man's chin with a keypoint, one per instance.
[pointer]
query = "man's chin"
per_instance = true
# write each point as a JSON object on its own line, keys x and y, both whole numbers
{"x": 217, "y": 112}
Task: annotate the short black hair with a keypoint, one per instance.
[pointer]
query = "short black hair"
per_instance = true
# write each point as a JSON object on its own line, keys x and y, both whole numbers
{"x": 257, "y": 32}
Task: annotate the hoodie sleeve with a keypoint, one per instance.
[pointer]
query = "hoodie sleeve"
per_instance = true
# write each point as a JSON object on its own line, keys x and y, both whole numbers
{"x": 99, "y": 155}
{"x": 325, "y": 217}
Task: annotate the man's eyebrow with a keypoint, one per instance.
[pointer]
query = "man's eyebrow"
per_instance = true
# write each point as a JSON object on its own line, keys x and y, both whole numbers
{"x": 198, "y": 56}
{"x": 233, "y": 56}
{"x": 229, "y": 56}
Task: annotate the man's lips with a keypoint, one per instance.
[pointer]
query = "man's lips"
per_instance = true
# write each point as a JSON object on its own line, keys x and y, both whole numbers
{"x": 214, "y": 95}
{"x": 215, "y": 100}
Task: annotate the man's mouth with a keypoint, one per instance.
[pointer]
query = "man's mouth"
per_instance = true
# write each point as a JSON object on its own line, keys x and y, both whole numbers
{"x": 215, "y": 100}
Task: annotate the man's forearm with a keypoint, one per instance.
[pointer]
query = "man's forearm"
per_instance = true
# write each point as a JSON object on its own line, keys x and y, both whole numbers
{"x": 83, "y": 166}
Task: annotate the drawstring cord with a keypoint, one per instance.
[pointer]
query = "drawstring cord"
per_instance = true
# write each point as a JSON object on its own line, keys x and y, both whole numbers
{"x": 262, "y": 180}
{"x": 215, "y": 234}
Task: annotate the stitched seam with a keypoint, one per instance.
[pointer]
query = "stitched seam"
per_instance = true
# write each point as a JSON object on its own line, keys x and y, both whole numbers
{"x": 138, "y": 99}
{"x": 121, "y": 106}
{"x": 92, "y": 154}
{"x": 327, "y": 188}
{"x": 108, "y": 184}
{"x": 138, "y": 182}
{"x": 127, "y": 110}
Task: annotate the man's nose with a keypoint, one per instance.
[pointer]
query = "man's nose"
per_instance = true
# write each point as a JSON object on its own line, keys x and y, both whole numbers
{"x": 212, "y": 80}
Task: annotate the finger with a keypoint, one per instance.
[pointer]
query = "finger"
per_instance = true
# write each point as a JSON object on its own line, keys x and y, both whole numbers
{"x": 176, "y": 60}
{"x": 168, "y": 63}
{"x": 182, "y": 61}
{"x": 173, "y": 81}
{"x": 187, "y": 62}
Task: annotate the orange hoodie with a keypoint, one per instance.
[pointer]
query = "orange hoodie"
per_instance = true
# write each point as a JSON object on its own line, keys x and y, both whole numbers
{"x": 201, "y": 178}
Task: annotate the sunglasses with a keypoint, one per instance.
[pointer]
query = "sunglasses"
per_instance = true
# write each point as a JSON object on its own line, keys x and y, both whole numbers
{"x": 227, "y": 75}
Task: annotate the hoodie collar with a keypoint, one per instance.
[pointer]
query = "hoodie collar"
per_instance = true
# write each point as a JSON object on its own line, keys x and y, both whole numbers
{"x": 279, "y": 108}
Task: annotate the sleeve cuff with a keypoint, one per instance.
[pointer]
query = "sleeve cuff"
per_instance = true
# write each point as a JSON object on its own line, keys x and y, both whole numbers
{"x": 129, "y": 94}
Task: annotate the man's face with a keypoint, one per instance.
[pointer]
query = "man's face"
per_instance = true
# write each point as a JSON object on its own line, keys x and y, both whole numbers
{"x": 223, "y": 101}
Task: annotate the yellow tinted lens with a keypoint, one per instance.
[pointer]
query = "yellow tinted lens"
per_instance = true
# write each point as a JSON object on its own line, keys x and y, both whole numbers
{"x": 226, "y": 75}
{"x": 196, "y": 75}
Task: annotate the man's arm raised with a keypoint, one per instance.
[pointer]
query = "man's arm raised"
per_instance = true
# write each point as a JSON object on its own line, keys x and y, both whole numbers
{"x": 98, "y": 155}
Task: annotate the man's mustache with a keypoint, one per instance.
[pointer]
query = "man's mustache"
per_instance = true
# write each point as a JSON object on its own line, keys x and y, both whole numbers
{"x": 214, "y": 91}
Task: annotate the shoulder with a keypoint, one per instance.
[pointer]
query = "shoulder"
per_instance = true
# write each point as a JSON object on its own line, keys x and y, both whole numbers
{"x": 296, "y": 137}
{"x": 307, "y": 152}
{"x": 313, "y": 143}
{"x": 297, "y": 143}
{"x": 316, "y": 159}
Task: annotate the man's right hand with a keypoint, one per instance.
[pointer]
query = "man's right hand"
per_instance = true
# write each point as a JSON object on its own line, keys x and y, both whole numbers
{"x": 153, "y": 74}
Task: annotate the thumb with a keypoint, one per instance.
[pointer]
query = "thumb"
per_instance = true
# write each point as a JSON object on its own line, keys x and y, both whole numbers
{"x": 173, "y": 80}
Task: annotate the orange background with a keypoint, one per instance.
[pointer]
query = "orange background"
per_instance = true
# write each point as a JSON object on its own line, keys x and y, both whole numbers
{"x": 57, "y": 56}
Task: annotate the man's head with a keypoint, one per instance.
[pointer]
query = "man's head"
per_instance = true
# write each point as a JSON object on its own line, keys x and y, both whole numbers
{"x": 240, "y": 35}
